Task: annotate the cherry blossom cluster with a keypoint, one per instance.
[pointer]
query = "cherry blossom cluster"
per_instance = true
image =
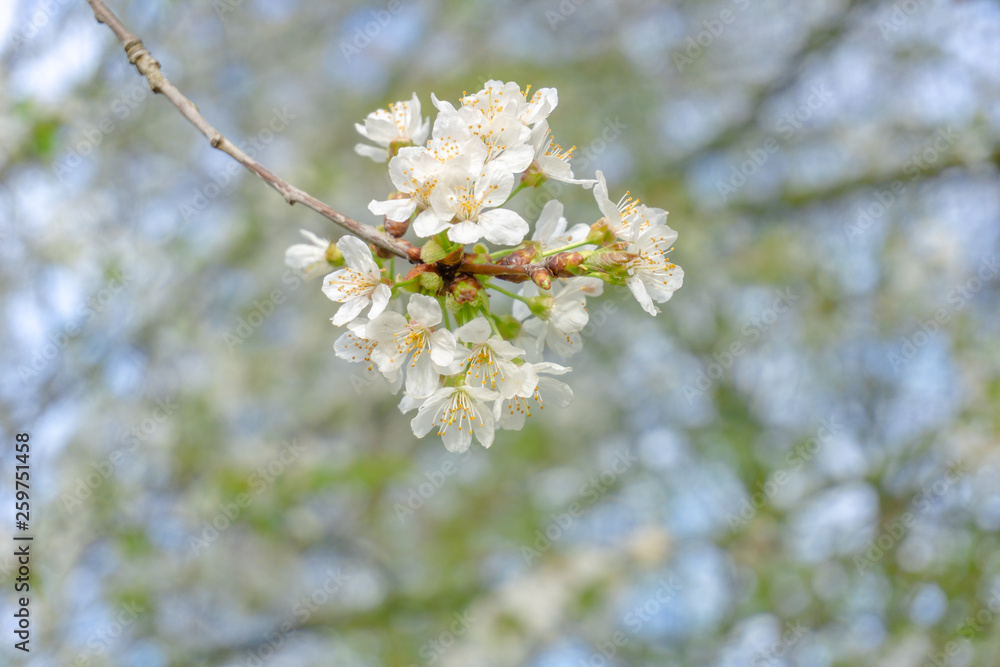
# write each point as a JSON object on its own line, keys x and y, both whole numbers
{"x": 465, "y": 368}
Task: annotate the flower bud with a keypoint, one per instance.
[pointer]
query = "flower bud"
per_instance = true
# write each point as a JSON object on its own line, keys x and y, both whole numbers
{"x": 540, "y": 306}
{"x": 334, "y": 256}
{"x": 608, "y": 259}
{"x": 428, "y": 279}
{"x": 542, "y": 277}
{"x": 432, "y": 252}
{"x": 566, "y": 264}
{"x": 509, "y": 326}
{"x": 533, "y": 177}
{"x": 465, "y": 289}
{"x": 521, "y": 256}
{"x": 396, "y": 229}
{"x": 601, "y": 233}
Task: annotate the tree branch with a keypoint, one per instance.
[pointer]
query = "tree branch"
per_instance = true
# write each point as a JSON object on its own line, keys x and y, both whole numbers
{"x": 147, "y": 65}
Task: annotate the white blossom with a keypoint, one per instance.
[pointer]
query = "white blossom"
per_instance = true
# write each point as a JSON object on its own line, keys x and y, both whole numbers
{"x": 510, "y": 413}
{"x": 552, "y": 160}
{"x": 561, "y": 314}
{"x": 307, "y": 259}
{"x": 357, "y": 285}
{"x": 491, "y": 362}
{"x": 652, "y": 276}
{"x": 457, "y": 413}
{"x": 355, "y": 347}
{"x": 399, "y": 124}
{"x": 453, "y": 177}
{"x": 497, "y": 114}
{"x": 416, "y": 170}
{"x": 416, "y": 340}
{"x": 550, "y": 228}
{"x": 628, "y": 213}
{"x": 465, "y": 204}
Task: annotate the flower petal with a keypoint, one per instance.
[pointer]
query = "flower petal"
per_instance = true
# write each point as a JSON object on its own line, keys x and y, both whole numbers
{"x": 425, "y": 310}
{"x": 421, "y": 378}
{"x": 376, "y": 153}
{"x": 467, "y": 231}
{"x": 428, "y": 223}
{"x": 503, "y": 227}
{"x": 357, "y": 254}
{"x": 608, "y": 207}
{"x": 351, "y": 308}
{"x": 442, "y": 347}
{"x": 380, "y": 299}
{"x": 477, "y": 331}
{"x": 638, "y": 289}
{"x": 430, "y": 409}
{"x": 397, "y": 210}
{"x": 548, "y": 227}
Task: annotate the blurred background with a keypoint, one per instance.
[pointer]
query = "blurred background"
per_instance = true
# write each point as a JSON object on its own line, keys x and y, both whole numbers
{"x": 796, "y": 463}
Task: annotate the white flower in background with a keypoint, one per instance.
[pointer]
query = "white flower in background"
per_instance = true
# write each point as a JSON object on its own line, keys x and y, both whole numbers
{"x": 510, "y": 413}
{"x": 550, "y": 228}
{"x": 460, "y": 202}
{"x": 457, "y": 412}
{"x": 552, "y": 160}
{"x": 399, "y": 340}
{"x": 399, "y": 124}
{"x": 652, "y": 276}
{"x": 491, "y": 362}
{"x": 357, "y": 285}
{"x": 627, "y": 213}
{"x": 307, "y": 259}
{"x": 557, "y": 326}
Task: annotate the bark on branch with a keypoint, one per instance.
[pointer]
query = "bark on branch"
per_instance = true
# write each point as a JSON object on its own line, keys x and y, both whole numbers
{"x": 147, "y": 65}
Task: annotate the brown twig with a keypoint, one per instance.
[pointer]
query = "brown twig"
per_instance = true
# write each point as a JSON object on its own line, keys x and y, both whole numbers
{"x": 148, "y": 66}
